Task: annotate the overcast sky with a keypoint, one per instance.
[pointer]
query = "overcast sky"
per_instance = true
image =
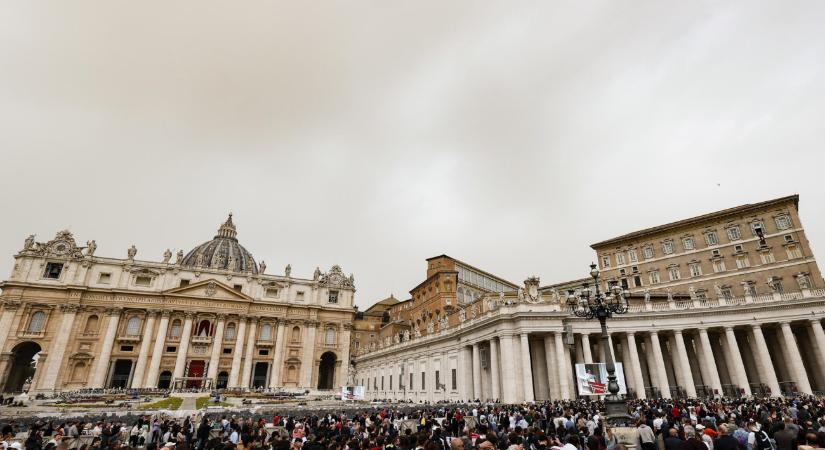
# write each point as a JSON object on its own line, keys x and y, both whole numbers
{"x": 510, "y": 135}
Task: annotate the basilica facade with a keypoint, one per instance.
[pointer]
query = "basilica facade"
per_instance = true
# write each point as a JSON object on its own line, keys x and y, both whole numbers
{"x": 209, "y": 318}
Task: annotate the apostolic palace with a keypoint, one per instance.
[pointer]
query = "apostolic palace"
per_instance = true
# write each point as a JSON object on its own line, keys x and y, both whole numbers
{"x": 727, "y": 303}
{"x": 210, "y": 318}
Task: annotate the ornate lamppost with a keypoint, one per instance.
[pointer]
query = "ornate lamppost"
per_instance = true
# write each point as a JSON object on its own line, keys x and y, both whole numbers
{"x": 595, "y": 304}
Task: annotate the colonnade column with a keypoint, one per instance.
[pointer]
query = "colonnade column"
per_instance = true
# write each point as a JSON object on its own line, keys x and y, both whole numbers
{"x": 102, "y": 366}
{"x": 819, "y": 339}
{"x": 278, "y": 358}
{"x": 635, "y": 365}
{"x": 476, "y": 372}
{"x": 586, "y": 352}
{"x": 246, "y": 373}
{"x": 709, "y": 362}
{"x": 217, "y": 347}
{"x": 183, "y": 348}
{"x": 145, "y": 343}
{"x": 344, "y": 341}
{"x": 738, "y": 369}
{"x": 684, "y": 362}
{"x": 803, "y": 385}
{"x": 659, "y": 361}
{"x": 157, "y": 351}
{"x": 494, "y": 368}
{"x": 561, "y": 364}
{"x": 508, "y": 377}
{"x": 766, "y": 372}
{"x": 237, "y": 354}
{"x": 526, "y": 368}
{"x": 552, "y": 371}
{"x": 308, "y": 362}
{"x": 58, "y": 348}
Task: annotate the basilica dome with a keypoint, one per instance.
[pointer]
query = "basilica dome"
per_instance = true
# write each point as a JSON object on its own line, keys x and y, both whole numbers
{"x": 223, "y": 252}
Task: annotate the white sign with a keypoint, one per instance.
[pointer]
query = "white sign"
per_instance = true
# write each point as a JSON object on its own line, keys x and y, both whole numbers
{"x": 591, "y": 379}
{"x": 352, "y": 393}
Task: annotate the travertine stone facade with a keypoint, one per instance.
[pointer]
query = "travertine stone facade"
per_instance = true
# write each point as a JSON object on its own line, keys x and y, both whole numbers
{"x": 212, "y": 318}
{"x": 751, "y": 329}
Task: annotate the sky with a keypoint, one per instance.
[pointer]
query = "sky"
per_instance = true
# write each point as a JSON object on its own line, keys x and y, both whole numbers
{"x": 376, "y": 134}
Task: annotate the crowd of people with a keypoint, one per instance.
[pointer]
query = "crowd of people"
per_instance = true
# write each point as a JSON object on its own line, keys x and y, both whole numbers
{"x": 741, "y": 424}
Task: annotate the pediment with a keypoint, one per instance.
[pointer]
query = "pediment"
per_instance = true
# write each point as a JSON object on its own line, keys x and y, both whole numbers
{"x": 209, "y": 289}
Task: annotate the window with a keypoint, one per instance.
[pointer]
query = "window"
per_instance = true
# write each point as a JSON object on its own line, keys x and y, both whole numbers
{"x": 227, "y": 350}
{"x": 673, "y": 272}
{"x": 654, "y": 277}
{"x": 36, "y": 322}
{"x": 710, "y": 238}
{"x": 329, "y": 337}
{"x": 423, "y": 381}
{"x": 788, "y": 238}
{"x": 726, "y": 292}
{"x": 333, "y": 297}
{"x": 272, "y": 292}
{"x": 91, "y": 325}
{"x": 237, "y": 287}
{"x": 390, "y": 382}
{"x": 175, "y": 331}
{"x": 133, "y": 326}
{"x": 454, "y": 380}
{"x": 667, "y": 247}
{"x": 738, "y": 248}
{"x": 793, "y": 251}
{"x": 637, "y": 281}
{"x": 687, "y": 243}
{"x": 701, "y": 294}
{"x": 757, "y": 228}
{"x": 104, "y": 278}
{"x": 126, "y": 348}
{"x": 648, "y": 251}
{"x": 620, "y": 258}
{"x": 742, "y": 262}
{"x": 606, "y": 261}
{"x": 750, "y": 288}
{"x": 695, "y": 269}
{"x": 719, "y": 266}
{"x": 230, "y": 331}
{"x": 734, "y": 234}
{"x": 783, "y": 222}
{"x": 263, "y": 352}
{"x": 266, "y": 332}
{"x": 299, "y": 296}
{"x": 142, "y": 280}
{"x": 411, "y": 380}
{"x": 622, "y": 272}
{"x": 624, "y": 283}
{"x": 716, "y": 253}
{"x": 778, "y": 286}
{"x": 171, "y": 349}
{"x": 767, "y": 257}
{"x": 296, "y": 334}
{"x": 437, "y": 379}
{"x": 53, "y": 270}
{"x": 357, "y": 344}
{"x": 184, "y": 283}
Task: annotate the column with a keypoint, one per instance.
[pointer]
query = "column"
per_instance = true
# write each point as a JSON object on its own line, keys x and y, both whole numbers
{"x": 738, "y": 367}
{"x": 476, "y": 372}
{"x": 561, "y": 364}
{"x": 466, "y": 356}
{"x": 494, "y": 369}
{"x": 278, "y": 358}
{"x": 217, "y": 347}
{"x": 246, "y": 373}
{"x": 308, "y": 362}
{"x": 818, "y": 339}
{"x": 795, "y": 360}
{"x": 684, "y": 364}
{"x": 237, "y": 353}
{"x": 58, "y": 349}
{"x": 9, "y": 311}
{"x": 659, "y": 362}
{"x": 767, "y": 374}
{"x": 344, "y": 345}
{"x": 587, "y": 353}
{"x": 102, "y": 366}
{"x": 527, "y": 368}
{"x": 157, "y": 351}
{"x": 635, "y": 365}
{"x": 552, "y": 371}
{"x": 508, "y": 376}
{"x": 183, "y": 348}
{"x": 145, "y": 343}
{"x": 709, "y": 362}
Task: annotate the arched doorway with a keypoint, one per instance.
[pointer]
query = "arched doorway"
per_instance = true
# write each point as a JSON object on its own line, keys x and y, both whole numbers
{"x": 121, "y": 373}
{"x": 326, "y": 371}
{"x": 223, "y": 380}
{"x": 165, "y": 380}
{"x": 23, "y": 365}
{"x": 260, "y": 375}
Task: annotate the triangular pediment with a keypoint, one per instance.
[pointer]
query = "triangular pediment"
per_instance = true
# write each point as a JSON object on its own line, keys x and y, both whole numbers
{"x": 210, "y": 289}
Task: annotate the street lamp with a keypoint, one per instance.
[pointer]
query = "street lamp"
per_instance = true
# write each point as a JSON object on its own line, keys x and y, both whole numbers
{"x": 592, "y": 303}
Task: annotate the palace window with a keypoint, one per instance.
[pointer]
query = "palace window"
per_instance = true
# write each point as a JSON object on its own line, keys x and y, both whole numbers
{"x": 53, "y": 270}
{"x": 175, "y": 331}
{"x": 619, "y": 258}
{"x": 38, "y": 319}
{"x": 783, "y": 222}
{"x": 654, "y": 277}
{"x": 266, "y": 332}
{"x": 637, "y": 281}
{"x": 742, "y": 262}
{"x": 104, "y": 278}
{"x": 793, "y": 251}
{"x": 734, "y": 234}
{"x": 727, "y": 293}
{"x": 329, "y": 337}
{"x": 767, "y": 257}
{"x": 632, "y": 254}
{"x": 606, "y": 261}
{"x": 750, "y": 288}
{"x": 718, "y": 266}
{"x": 133, "y": 326}
{"x": 667, "y": 247}
{"x": 738, "y": 248}
{"x": 695, "y": 269}
{"x": 299, "y": 296}
{"x": 757, "y": 228}
{"x": 674, "y": 273}
{"x": 142, "y": 280}
{"x": 230, "y": 331}
{"x": 710, "y": 238}
{"x": 333, "y": 297}
{"x": 647, "y": 251}
{"x": 788, "y": 238}
{"x": 272, "y": 292}
{"x": 687, "y": 243}
{"x": 183, "y": 283}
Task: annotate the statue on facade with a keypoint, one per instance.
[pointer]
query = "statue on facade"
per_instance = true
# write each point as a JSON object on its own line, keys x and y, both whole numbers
{"x": 692, "y": 292}
{"x": 352, "y": 280}
{"x": 29, "y": 243}
{"x": 262, "y": 267}
{"x": 317, "y": 274}
{"x": 396, "y": 338}
{"x": 167, "y": 255}
{"x": 444, "y": 323}
{"x": 669, "y": 295}
{"x": 474, "y": 311}
{"x": 717, "y": 289}
{"x": 417, "y": 332}
{"x": 804, "y": 282}
{"x": 288, "y": 270}
{"x": 179, "y": 258}
{"x": 405, "y": 336}
{"x": 131, "y": 252}
{"x": 231, "y": 264}
{"x": 462, "y": 315}
{"x": 554, "y": 295}
{"x": 647, "y": 295}
{"x": 430, "y": 328}
{"x": 91, "y": 247}
{"x": 199, "y": 260}
{"x": 521, "y": 295}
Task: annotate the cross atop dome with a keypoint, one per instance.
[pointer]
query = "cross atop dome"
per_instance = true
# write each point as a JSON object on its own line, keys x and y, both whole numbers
{"x": 227, "y": 230}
